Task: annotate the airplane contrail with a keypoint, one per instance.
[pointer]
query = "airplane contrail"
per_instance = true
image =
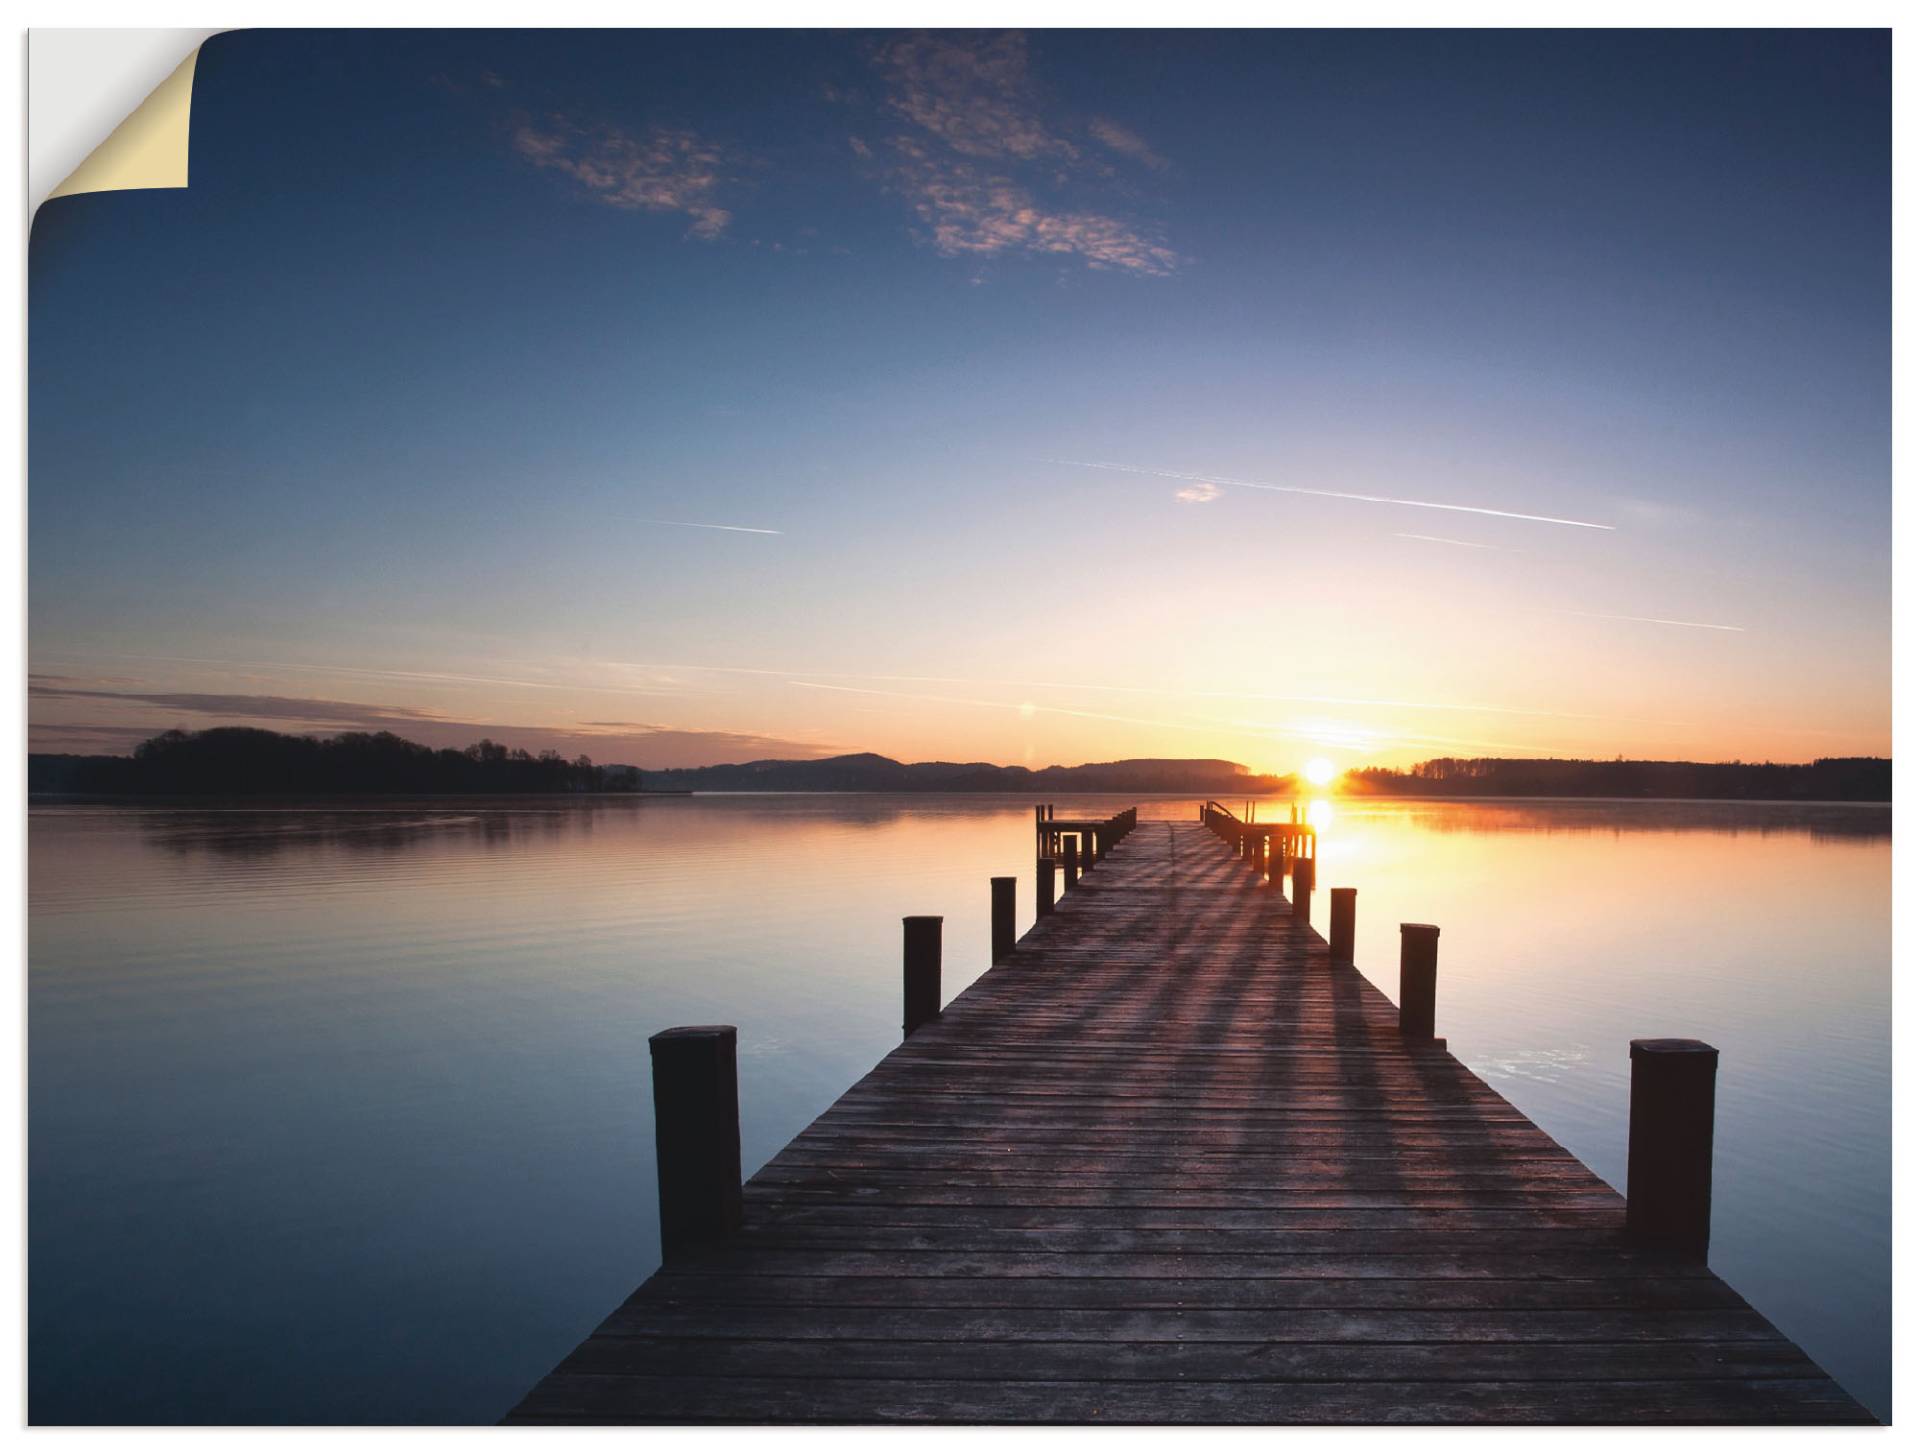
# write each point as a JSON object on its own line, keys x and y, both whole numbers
{"x": 702, "y": 525}
{"x": 1650, "y": 620}
{"x": 1329, "y": 494}
{"x": 1449, "y": 540}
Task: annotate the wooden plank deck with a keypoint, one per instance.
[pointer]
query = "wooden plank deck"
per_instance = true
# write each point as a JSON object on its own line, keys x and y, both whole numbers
{"x": 1167, "y": 1164}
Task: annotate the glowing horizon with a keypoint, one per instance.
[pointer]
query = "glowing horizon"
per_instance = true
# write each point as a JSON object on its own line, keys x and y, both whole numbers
{"x": 689, "y": 723}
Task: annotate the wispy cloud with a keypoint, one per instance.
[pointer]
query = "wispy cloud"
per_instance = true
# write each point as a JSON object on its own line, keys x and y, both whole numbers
{"x": 702, "y": 525}
{"x": 981, "y": 167}
{"x": 1129, "y": 469}
{"x": 970, "y": 211}
{"x": 326, "y": 669}
{"x": 973, "y": 93}
{"x": 1115, "y": 137}
{"x": 1649, "y": 620}
{"x": 1201, "y": 494}
{"x": 313, "y": 710}
{"x": 665, "y": 169}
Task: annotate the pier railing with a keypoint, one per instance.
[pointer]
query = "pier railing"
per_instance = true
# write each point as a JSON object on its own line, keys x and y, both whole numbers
{"x": 1083, "y": 840}
{"x": 696, "y": 1106}
{"x": 1274, "y": 850}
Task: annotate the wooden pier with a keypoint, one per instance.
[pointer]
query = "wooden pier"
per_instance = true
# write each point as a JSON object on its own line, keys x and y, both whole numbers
{"x": 1173, "y": 1160}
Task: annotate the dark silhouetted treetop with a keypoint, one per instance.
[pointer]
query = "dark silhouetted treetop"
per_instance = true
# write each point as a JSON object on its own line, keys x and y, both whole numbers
{"x": 1827, "y": 780}
{"x": 252, "y": 762}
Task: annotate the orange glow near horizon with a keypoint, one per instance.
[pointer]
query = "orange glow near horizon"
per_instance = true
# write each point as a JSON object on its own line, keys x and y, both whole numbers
{"x": 679, "y": 713}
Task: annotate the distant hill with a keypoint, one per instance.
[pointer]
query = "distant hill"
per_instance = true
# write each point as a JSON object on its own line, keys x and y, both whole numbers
{"x": 1828, "y": 779}
{"x": 867, "y": 772}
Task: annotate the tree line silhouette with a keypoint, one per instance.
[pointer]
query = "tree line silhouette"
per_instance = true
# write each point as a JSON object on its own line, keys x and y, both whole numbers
{"x": 1827, "y": 779}
{"x": 250, "y": 761}
{"x": 253, "y": 762}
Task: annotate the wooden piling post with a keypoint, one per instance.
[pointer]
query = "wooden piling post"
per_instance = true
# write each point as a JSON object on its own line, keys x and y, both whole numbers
{"x": 1303, "y": 890}
{"x": 1670, "y": 1145}
{"x": 696, "y": 1134}
{"x": 1419, "y": 956}
{"x": 1070, "y": 857}
{"x": 920, "y": 971}
{"x": 1340, "y": 924}
{"x": 1042, "y": 887}
{"x": 1001, "y": 892}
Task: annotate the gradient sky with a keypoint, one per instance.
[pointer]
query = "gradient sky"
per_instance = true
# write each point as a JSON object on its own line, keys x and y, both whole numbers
{"x": 1072, "y": 396}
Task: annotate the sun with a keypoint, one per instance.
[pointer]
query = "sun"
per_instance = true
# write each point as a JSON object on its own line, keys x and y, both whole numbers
{"x": 1319, "y": 771}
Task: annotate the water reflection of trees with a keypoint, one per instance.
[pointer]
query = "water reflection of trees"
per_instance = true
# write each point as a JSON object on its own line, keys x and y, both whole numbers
{"x": 264, "y": 829}
{"x": 1822, "y": 822}
{"x": 262, "y": 832}
{"x": 690, "y": 825}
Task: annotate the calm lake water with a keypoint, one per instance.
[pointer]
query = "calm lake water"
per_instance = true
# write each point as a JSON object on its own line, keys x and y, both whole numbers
{"x": 341, "y": 1113}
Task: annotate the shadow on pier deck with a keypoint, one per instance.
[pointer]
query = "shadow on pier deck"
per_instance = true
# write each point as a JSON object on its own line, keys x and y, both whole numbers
{"x": 1168, "y": 1161}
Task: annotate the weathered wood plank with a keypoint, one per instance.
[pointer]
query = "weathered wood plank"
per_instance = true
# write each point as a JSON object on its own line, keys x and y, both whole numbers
{"x": 1204, "y": 1242}
{"x": 681, "y": 1399}
{"x": 1219, "y": 1293}
{"x": 658, "y": 1317}
{"x": 1232, "y": 1362}
{"x": 1418, "y": 1263}
{"x": 829, "y": 1210}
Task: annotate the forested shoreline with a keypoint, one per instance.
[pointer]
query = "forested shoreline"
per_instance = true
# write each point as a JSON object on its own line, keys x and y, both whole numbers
{"x": 252, "y": 762}
{"x": 1829, "y": 779}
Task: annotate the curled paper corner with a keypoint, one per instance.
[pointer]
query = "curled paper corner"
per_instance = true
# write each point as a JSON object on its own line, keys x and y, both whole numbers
{"x": 149, "y": 148}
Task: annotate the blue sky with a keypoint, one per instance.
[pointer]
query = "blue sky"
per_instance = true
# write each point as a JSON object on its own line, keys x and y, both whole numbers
{"x": 375, "y": 423}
